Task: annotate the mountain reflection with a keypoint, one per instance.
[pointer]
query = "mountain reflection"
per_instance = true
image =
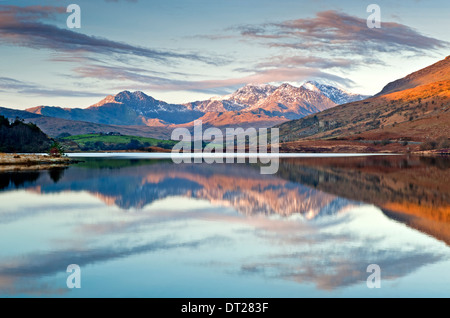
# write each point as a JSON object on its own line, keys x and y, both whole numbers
{"x": 413, "y": 190}
{"x": 239, "y": 186}
{"x": 415, "y": 186}
{"x": 319, "y": 221}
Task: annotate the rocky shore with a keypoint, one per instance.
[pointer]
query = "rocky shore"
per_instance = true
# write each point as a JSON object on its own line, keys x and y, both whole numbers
{"x": 10, "y": 161}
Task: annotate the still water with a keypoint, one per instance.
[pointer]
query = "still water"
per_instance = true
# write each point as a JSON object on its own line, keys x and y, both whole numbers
{"x": 151, "y": 228}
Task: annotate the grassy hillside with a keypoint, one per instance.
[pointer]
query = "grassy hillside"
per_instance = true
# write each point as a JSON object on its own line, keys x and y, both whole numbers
{"x": 95, "y": 142}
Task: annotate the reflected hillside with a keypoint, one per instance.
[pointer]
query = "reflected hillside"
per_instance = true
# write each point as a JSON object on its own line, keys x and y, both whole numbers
{"x": 413, "y": 190}
{"x": 224, "y": 219}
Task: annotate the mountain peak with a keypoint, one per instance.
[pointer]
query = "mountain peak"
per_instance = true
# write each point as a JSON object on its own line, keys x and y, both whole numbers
{"x": 256, "y": 88}
{"x": 286, "y": 85}
{"x": 337, "y": 95}
{"x": 127, "y": 95}
{"x": 312, "y": 86}
{"x": 251, "y": 94}
{"x": 123, "y": 97}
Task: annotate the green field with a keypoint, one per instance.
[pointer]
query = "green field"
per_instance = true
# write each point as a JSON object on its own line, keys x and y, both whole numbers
{"x": 92, "y": 142}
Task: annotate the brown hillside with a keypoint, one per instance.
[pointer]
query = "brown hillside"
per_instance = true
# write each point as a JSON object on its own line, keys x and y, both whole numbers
{"x": 439, "y": 71}
{"x": 417, "y": 114}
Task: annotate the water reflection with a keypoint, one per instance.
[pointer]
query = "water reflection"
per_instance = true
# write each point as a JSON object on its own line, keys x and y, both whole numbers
{"x": 309, "y": 229}
{"x": 413, "y": 190}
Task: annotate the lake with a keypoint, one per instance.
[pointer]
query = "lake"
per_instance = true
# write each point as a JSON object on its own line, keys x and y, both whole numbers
{"x": 140, "y": 227}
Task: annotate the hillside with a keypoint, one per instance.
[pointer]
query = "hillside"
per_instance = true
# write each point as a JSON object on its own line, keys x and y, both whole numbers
{"x": 420, "y": 113}
{"x": 18, "y": 136}
{"x": 439, "y": 71}
{"x": 416, "y": 194}
{"x": 55, "y": 127}
{"x": 102, "y": 142}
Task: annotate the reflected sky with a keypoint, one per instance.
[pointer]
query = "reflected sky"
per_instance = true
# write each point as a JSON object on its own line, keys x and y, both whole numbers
{"x": 154, "y": 229}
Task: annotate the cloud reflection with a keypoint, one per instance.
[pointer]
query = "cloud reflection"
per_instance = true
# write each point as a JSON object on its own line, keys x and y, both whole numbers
{"x": 225, "y": 218}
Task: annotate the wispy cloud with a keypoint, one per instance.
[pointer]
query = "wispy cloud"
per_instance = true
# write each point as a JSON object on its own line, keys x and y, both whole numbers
{"x": 39, "y": 264}
{"x": 22, "y": 26}
{"x": 143, "y": 80}
{"x": 13, "y": 85}
{"x": 337, "y": 32}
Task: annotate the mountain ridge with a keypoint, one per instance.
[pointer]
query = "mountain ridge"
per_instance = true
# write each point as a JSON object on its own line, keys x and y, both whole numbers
{"x": 263, "y": 104}
{"x": 433, "y": 73}
{"x": 405, "y": 113}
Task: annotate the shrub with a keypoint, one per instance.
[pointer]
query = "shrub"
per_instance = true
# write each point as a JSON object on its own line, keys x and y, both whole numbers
{"x": 56, "y": 150}
{"x": 443, "y": 143}
{"x": 134, "y": 144}
{"x": 440, "y": 143}
{"x": 428, "y": 145}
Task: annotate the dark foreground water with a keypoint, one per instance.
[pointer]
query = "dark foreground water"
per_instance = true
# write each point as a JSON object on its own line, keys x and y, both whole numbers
{"x": 151, "y": 228}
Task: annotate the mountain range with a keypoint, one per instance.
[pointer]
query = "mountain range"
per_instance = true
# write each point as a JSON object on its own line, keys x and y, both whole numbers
{"x": 256, "y": 105}
{"x": 413, "y": 108}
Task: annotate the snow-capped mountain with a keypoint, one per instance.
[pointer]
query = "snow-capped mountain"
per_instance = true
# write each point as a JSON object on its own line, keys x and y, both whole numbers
{"x": 243, "y": 98}
{"x": 293, "y": 102}
{"x": 337, "y": 95}
{"x": 252, "y": 94}
{"x": 286, "y": 100}
{"x": 261, "y": 104}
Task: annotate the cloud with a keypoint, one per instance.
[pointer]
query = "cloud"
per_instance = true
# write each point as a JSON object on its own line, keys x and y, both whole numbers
{"x": 7, "y": 83}
{"x": 332, "y": 251}
{"x": 21, "y": 87}
{"x": 337, "y": 32}
{"x": 144, "y": 81}
{"x": 36, "y": 264}
{"x": 316, "y": 62}
{"x": 22, "y": 26}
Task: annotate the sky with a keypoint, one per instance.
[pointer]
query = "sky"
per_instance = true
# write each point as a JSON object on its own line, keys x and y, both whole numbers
{"x": 187, "y": 50}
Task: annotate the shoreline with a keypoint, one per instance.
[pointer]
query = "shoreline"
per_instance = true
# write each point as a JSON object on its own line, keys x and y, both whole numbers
{"x": 20, "y": 162}
{"x": 17, "y": 161}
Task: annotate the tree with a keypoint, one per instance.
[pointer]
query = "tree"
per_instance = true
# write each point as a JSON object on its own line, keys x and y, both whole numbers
{"x": 100, "y": 145}
{"x": 134, "y": 144}
{"x": 56, "y": 150}
{"x": 22, "y": 137}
